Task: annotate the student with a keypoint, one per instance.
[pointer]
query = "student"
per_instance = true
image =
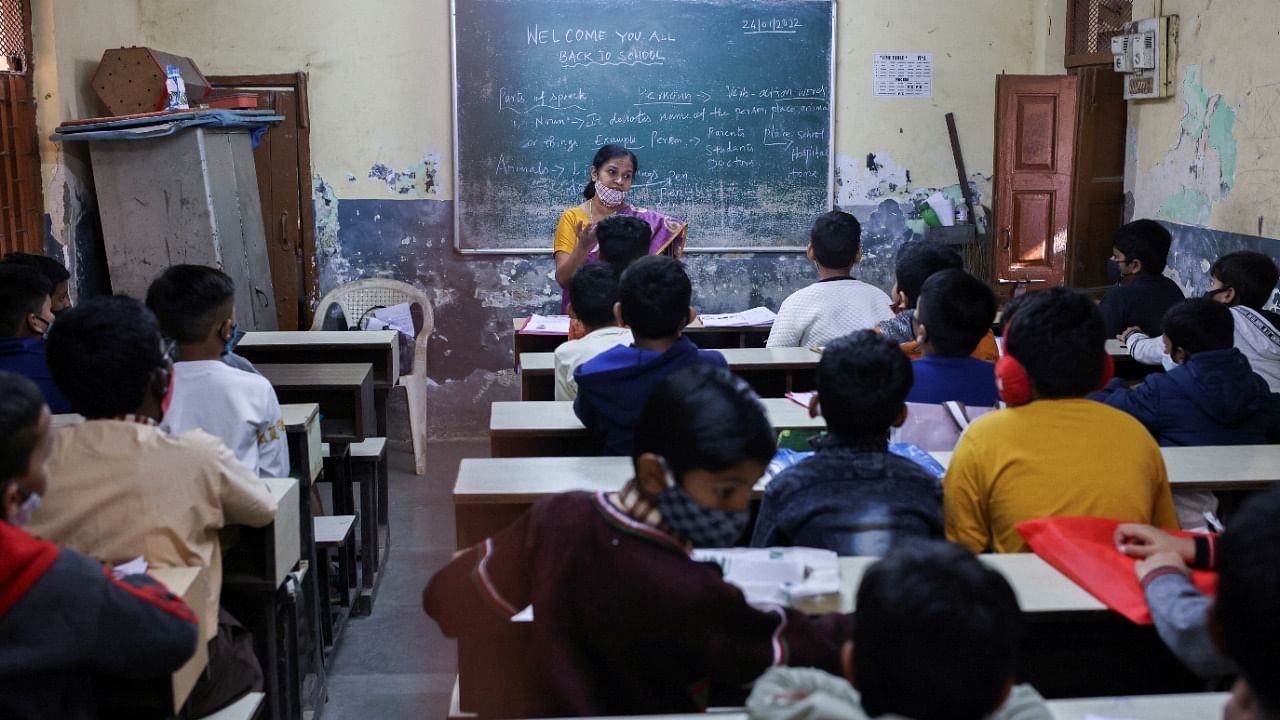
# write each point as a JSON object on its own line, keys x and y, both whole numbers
{"x": 1052, "y": 452}
{"x": 622, "y": 239}
{"x": 653, "y": 300}
{"x": 1142, "y": 294}
{"x": 195, "y": 306}
{"x": 954, "y": 314}
{"x": 837, "y": 304}
{"x": 25, "y": 317}
{"x": 125, "y": 488}
{"x": 624, "y": 621}
{"x": 1236, "y": 633}
{"x": 853, "y": 496}
{"x": 1211, "y": 397}
{"x": 594, "y": 288}
{"x": 1244, "y": 282}
{"x": 936, "y": 638}
{"x": 63, "y": 616}
{"x": 917, "y": 261}
{"x": 59, "y": 278}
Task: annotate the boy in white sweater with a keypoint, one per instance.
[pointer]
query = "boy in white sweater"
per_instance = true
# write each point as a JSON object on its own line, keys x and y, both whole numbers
{"x": 837, "y": 304}
{"x": 196, "y": 306}
{"x": 593, "y": 291}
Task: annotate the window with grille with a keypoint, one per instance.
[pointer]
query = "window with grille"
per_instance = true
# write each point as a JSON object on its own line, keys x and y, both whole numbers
{"x": 1090, "y": 26}
{"x": 21, "y": 202}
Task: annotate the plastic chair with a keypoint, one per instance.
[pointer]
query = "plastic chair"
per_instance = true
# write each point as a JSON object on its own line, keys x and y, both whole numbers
{"x": 357, "y": 298}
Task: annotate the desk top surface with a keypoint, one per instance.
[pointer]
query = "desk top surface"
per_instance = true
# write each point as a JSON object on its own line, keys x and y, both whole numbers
{"x": 695, "y": 326}
{"x": 549, "y": 417}
{"x": 525, "y": 480}
{"x": 1039, "y": 587}
{"x": 739, "y": 359}
{"x": 279, "y": 487}
{"x": 335, "y": 375}
{"x": 297, "y": 416}
{"x": 374, "y": 339}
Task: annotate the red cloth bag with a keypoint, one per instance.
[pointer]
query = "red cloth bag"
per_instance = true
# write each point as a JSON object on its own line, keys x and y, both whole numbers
{"x": 1084, "y": 549}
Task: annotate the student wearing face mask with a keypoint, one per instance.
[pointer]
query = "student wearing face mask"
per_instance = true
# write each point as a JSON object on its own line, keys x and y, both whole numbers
{"x": 624, "y": 621}
{"x": 56, "y": 272}
{"x": 25, "y": 318}
{"x": 613, "y": 170}
{"x": 1142, "y": 294}
{"x": 129, "y": 627}
{"x": 195, "y": 306}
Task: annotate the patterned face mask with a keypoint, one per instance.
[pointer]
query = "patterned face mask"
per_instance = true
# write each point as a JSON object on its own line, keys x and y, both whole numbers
{"x": 609, "y": 197}
{"x": 698, "y": 524}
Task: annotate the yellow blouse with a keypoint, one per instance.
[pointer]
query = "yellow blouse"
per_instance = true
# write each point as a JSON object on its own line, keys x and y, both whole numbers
{"x": 567, "y": 228}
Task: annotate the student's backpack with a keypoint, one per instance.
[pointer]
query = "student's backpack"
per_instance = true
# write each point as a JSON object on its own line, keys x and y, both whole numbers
{"x": 936, "y": 428}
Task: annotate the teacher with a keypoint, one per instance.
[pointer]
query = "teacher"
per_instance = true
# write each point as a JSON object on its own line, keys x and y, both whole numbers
{"x": 612, "y": 171}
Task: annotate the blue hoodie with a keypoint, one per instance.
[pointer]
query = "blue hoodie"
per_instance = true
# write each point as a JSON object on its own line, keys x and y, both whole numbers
{"x": 614, "y": 385}
{"x": 1214, "y": 398}
{"x": 25, "y": 356}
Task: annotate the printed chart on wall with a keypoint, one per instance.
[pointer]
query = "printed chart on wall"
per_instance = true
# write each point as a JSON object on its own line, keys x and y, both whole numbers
{"x": 726, "y": 103}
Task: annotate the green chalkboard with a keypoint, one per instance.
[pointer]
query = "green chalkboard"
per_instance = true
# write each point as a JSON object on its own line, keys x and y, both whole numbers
{"x": 726, "y": 103}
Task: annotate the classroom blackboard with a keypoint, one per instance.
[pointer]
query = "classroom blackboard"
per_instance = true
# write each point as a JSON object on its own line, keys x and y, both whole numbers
{"x": 726, "y": 103}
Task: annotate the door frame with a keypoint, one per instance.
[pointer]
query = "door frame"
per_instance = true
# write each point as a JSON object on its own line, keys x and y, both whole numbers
{"x": 307, "y": 212}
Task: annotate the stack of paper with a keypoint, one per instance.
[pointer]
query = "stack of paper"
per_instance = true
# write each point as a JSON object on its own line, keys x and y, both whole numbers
{"x": 396, "y": 317}
{"x": 546, "y": 325}
{"x": 801, "y": 398}
{"x": 777, "y": 576}
{"x": 746, "y": 318}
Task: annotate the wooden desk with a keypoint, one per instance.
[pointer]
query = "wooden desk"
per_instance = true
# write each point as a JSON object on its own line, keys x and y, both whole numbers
{"x": 533, "y": 429}
{"x": 263, "y": 557}
{"x": 188, "y": 583}
{"x": 302, "y": 429}
{"x": 772, "y": 372}
{"x": 344, "y": 392}
{"x": 714, "y": 338}
{"x": 378, "y": 347}
{"x": 64, "y": 419}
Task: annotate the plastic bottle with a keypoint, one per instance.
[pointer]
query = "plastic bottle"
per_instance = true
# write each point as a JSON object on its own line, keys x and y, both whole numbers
{"x": 962, "y": 214}
{"x": 176, "y": 88}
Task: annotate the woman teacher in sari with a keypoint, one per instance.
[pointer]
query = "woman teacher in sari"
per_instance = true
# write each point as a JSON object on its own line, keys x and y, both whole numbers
{"x": 612, "y": 171}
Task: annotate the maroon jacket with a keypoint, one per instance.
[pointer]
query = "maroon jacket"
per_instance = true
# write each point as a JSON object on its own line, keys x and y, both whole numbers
{"x": 624, "y": 620}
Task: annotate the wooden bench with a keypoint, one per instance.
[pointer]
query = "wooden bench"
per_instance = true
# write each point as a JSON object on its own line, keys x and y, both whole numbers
{"x": 246, "y": 708}
{"x": 772, "y": 372}
{"x": 335, "y": 532}
{"x": 369, "y": 468}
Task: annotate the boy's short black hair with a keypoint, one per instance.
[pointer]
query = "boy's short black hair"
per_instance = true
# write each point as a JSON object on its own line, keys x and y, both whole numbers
{"x": 102, "y": 355}
{"x": 1144, "y": 240}
{"x": 836, "y": 238}
{"x": 655, "y": 293}
{"x": 593, "y": 291}
{"x": 1059, "y": 337}
{"x": 23, "y": 292}
{"x": 622, "y": 239}
{"x": 1248, "y": 594}
{"x": 957, "y": 308}
{"x": 936, "y": 636}
{"x": 186, "y": 300}
{"x": 1251, "y": 274}
{"x": 917, "y": 261}
{"x": 21, "y": 405}
{"x": 703, "y": 418}
{"x": 863, "y": 381}
{"x": 1199, "y": 324}
{"x": 47, "y": 266}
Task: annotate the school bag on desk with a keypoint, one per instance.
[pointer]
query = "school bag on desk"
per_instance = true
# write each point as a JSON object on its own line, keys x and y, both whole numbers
{"x": 936, "y": 428}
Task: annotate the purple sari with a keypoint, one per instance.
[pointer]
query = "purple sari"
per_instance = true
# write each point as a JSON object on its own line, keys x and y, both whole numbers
{"x": 669, "y": 235}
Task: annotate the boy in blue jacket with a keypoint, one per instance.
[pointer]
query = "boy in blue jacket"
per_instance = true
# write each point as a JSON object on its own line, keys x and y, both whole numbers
{"x": 954, "y": 314}
{"x": 25, "y": 318}
{"x": 1212, "y": 397}
{"x": 653, "y": 300}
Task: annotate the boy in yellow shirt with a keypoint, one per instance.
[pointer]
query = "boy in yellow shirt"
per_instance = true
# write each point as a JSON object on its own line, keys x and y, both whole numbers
{"x": 1052, "y": 452}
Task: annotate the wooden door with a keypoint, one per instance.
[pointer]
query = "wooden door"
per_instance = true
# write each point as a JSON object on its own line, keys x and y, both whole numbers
{"x": 283, "y": 162}
{"x": 1035, "y": 143}
{"x": 1097, "y": 198}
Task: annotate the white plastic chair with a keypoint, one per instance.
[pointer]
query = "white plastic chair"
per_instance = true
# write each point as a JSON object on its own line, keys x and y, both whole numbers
{"x": 356, "y": 299}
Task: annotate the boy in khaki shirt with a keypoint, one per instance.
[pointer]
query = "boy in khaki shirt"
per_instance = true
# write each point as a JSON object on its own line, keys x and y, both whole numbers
{"x": 1052, "y": 453}
{"x": 125, "y": 487}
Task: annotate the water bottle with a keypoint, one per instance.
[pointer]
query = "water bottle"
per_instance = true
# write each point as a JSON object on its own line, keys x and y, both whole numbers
{"x": 962, "y": 214}
{"x": 176, "y": 89}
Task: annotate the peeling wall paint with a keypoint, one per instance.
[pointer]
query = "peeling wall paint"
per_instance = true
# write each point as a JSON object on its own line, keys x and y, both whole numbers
{"x": 420, "y": 179}
{"x": 1199, "y": 169}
